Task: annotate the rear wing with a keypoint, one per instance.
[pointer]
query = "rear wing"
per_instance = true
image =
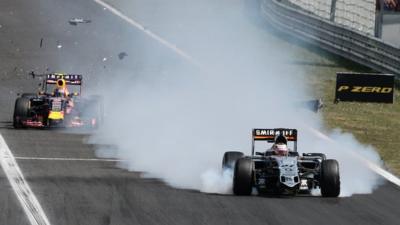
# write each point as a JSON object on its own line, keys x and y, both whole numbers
{"x": 70, "y": 79}
{"x": 51, "y": 78}
{"x": 269, "y": 135}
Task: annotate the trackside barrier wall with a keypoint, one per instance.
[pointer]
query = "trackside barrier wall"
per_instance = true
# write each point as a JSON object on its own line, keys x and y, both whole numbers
{"x": 339, "y": 39}
{"x": 355, "y": 14}
{"x": 320, "y": 8}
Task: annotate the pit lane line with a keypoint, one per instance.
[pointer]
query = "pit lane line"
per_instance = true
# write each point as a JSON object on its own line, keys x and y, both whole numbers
{"x": 376, "y": 168}
{"x": 26, "y": 197}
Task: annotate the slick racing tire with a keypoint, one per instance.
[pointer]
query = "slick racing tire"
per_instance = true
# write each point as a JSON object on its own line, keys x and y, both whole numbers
{"x": 28, "y": 95}
{"x": 243, "y": 176}
{"x": 21, "y": 111}
{"x": 330, "y": 179}
{"x": 229, "y": 159}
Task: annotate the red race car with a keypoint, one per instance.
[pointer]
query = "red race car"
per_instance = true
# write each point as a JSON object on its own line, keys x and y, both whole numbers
{"x": 58, "y": 104}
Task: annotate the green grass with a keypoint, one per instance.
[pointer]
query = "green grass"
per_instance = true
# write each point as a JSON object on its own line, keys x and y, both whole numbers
{"x": 371, "y": 123}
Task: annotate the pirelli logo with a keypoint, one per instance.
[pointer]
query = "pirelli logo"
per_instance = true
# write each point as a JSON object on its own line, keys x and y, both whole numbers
{"x": 367, "y": 89}
{"x": 364, "y": 87}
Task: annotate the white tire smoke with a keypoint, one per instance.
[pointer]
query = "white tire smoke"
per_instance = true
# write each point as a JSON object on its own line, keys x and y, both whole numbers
{"x": 176, "y": 123}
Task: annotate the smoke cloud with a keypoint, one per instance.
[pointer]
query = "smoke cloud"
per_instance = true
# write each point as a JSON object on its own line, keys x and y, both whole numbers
{"x": 174, "y": 122}
{"x": 356, "y": 177}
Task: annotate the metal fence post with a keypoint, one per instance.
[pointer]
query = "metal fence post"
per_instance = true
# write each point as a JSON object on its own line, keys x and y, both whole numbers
{"x": 379, "y": 19}
{"x": 333, "y": 10}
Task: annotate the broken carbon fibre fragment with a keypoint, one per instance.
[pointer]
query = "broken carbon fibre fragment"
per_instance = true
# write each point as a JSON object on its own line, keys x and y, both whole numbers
{"x": 122, "y": 55}
{"x": 313, "y": 105}
{"x": 75, "y": 21}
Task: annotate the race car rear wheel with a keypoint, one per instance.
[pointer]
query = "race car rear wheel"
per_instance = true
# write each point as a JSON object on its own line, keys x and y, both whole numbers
{"x": 230, "y": 158}
{"x": 243, "y": 176}
{"x": 21, "y": 111}
{"x": 330, "y": 179}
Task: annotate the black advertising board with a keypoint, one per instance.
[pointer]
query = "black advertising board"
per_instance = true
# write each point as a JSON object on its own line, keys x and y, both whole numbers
{"x": 364, "y": 87}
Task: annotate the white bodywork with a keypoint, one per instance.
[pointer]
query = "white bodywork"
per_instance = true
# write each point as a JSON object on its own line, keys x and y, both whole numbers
{"x": 288, "y": 170}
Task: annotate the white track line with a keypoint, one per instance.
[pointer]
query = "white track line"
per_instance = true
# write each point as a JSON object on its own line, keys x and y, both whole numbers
{"x": 392, "y": 178}
{"x": 66, "y": 159}
{"x": 28, "y": 200}
{"x": 149, "y": 33}
{"x": 376, "y": 168}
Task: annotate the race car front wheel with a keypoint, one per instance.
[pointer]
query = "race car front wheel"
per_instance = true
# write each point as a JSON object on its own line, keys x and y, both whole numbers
{"x": 330, "y": 179}
{"x": 230, "y": 158}
{"x": 242, "y": 177}
{"x": 28, "y": 95}
{"x": 21, "y": 111}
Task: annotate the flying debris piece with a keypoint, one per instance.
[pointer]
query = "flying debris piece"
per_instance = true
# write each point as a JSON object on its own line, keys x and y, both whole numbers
{"x": 313, "y": 105}
{"x": 122, "y": 55}
{"x": 104, "y": 59}
{"x": 41, "y": 42}
{"x": 59, "y": 45}
{"x": 75, "y": 21}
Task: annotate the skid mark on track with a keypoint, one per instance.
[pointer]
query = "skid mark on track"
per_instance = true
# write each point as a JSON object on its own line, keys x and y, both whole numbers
{"x": 66, "y": 159}
{"x": 26, "y": 197}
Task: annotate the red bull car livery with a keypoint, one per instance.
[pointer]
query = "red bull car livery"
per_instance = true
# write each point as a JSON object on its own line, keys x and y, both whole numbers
{"x": 58, "y": 104}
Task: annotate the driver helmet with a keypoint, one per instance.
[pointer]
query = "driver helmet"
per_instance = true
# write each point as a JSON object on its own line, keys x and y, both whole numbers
{"x": 61, "y": 89}
{"x": 280, "y": 149}
{"x": 280, "y": 139}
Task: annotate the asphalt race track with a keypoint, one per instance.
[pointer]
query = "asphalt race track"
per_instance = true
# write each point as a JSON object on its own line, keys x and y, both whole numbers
{"x": 97, "y": 192}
